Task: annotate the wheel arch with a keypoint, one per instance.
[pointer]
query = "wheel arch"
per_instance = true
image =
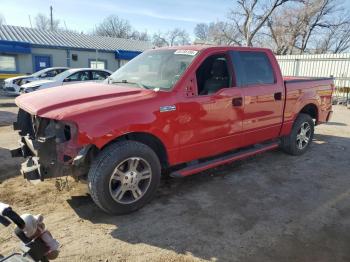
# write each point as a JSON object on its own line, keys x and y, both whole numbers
{"x": 148, "y": 139}
{"x": 310, "y": 109}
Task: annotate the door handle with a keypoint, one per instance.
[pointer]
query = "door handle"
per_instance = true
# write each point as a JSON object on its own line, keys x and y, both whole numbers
{"x": 278, "y": 96}
{"x": 237, "y": 101}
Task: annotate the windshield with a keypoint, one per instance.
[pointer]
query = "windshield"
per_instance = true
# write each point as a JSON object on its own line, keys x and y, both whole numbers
{"x": 154, "y": 69}
{"x": 64, "y": 74}
{"x": 37, "y": 74}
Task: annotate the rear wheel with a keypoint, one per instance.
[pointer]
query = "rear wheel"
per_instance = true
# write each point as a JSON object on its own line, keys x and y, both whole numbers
{"x": 124, "y": 177}
{"x": 297, "y": 142}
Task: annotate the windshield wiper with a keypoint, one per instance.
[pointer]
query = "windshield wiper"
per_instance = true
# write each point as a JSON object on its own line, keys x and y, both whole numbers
{"x": 131, "y": 83}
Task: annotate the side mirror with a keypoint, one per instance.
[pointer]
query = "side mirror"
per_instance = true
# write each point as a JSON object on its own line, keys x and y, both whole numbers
{"x": 66, "y": 80}
{"x": 43, "y": 75}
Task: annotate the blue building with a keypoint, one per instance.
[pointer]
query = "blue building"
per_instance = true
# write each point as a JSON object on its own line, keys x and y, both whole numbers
{"x": 27, "y": 50}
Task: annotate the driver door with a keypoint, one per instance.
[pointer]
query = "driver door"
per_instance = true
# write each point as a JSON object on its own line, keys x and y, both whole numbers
{"x": 211, "y": 120}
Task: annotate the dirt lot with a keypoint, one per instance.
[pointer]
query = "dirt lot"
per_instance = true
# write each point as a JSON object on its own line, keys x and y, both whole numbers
{"x": 272, "y": 207}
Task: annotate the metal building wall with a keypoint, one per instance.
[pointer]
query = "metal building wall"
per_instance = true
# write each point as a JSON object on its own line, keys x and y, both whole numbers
{"x": 323, "y": 65}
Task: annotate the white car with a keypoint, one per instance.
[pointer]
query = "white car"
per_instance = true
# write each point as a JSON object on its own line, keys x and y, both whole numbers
{"x": 12, "y": 85}
{"x": 71, "y": 76}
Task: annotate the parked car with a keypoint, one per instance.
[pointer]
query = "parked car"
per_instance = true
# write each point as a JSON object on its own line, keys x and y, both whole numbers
{"x": 178, "y": 110}
{"x": 12, "y": 85}
{"x": 68, "y": 77}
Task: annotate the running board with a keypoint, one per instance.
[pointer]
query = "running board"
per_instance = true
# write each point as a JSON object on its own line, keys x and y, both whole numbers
{"x": 241, "y": 154}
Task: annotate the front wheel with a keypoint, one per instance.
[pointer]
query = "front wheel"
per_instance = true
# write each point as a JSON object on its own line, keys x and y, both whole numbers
{"x": 124, "y": 177}
{"x": 300, "y": 138}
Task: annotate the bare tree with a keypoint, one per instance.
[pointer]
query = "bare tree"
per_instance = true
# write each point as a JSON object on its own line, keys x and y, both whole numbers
{"x": 316, "y": 15}
{"x": 142, "y": 36}
{"x": 178, "y": 36}
{"x": 285, "y": 29}
{"x": 173, "y": 37}
{"x": 43, "y": 22}
{"x": 341, "y": 41}
{"x": 300, "y": 26}
{"x": 201, "y": 31}
{"x": 313, "y": 26}
{"x": 249, "y": 17}
{"x": 159, "y": 40}
{"x": 220, "y": 33}
{"x": 335, "y": 40}
{"x": 113, "y": 26}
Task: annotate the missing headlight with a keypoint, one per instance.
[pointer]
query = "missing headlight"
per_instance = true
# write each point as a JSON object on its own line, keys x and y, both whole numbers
{"x": 61, "y": 131}
{"x": 67, "y": 132}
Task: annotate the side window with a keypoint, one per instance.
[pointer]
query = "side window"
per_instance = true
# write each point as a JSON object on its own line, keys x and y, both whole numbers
{"x": 59, "y": 71}
{"x": 51, "y": 73}
{"x": 213, "y": 75}
{"x": 99, "y": 75}
{"x": 252, "y": 68}
{"x": 78, "y": 76}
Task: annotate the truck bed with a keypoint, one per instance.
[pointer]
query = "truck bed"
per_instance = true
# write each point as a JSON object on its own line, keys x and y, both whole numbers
{"x": 291, "y": 79}
{"x": 304, "y": 90}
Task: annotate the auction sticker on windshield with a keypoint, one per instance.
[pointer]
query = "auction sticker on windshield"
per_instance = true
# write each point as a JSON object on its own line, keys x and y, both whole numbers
{"x": 186, "y": 52}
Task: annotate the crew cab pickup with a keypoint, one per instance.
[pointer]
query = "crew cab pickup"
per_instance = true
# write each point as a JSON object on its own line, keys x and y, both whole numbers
{"x": 177, "y": 111}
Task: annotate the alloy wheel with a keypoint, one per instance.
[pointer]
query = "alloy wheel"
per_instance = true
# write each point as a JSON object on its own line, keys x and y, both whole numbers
{"x": 130, "y": 180}
{"x": 303, "y": 135}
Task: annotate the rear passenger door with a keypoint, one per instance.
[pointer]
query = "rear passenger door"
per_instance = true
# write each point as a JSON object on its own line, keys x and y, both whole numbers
{"x": 263, "y": 93}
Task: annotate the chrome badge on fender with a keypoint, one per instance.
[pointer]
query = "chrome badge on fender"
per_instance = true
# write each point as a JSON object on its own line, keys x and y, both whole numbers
{"x": 167, "y": 108}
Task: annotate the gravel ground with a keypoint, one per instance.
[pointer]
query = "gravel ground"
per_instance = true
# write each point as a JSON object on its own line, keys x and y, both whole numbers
{"x": 272, "y": 207}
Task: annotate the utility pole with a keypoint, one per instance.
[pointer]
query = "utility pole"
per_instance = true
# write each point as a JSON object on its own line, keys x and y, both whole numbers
{"x": 30, "y": 21}
{"x": 51, "y": 18}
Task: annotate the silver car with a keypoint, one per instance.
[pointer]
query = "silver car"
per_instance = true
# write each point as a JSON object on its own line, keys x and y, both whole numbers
{"x": 12, "y": 85}
{"x": 71, "y": 76}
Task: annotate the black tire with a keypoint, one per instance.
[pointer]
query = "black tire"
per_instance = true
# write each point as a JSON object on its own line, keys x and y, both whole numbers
{"x": 290, "y": 143}
{"x": 107, "y": 162}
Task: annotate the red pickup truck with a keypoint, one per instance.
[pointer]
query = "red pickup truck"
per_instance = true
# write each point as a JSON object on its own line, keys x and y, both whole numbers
{"x": 177, "y": 111}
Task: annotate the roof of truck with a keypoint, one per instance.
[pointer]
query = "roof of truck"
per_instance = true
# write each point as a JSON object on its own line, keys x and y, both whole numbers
{"x": 205, "y": 47}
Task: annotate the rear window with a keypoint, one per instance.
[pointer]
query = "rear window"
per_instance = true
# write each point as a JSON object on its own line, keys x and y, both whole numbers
{"x": 252, "y": 68}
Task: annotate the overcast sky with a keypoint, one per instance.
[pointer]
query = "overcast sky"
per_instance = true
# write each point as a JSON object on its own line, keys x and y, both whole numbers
{"x": 151, "y": 15}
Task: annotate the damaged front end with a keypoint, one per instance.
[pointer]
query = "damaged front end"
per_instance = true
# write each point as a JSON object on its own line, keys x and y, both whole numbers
{"x": 49, "y": 148}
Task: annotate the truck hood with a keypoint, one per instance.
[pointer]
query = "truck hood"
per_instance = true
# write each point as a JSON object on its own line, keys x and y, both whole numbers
{"x": 63, "y": 102}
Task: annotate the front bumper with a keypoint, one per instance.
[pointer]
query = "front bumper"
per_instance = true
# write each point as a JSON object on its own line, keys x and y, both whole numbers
{"x": 41, "y": 158}
{"x": 47, "y": 158}
{"x": 31, "y": 169}
{"x": 10, "y": 89}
